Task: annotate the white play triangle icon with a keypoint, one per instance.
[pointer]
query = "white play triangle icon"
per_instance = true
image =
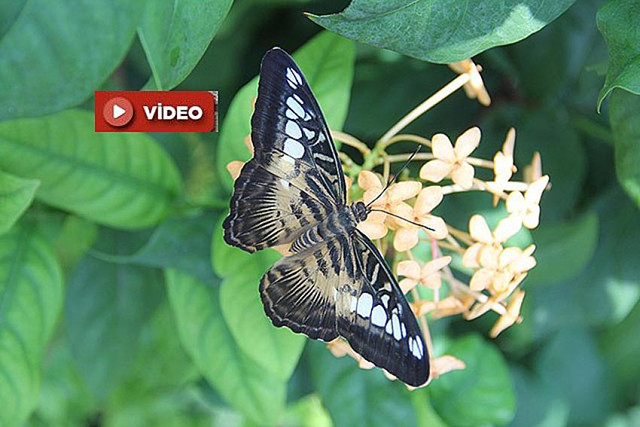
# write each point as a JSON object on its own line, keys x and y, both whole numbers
{"x": 118, "y": 111}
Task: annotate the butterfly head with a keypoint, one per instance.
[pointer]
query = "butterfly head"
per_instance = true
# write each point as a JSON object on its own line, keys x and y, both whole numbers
{"x": 360, "y": 211}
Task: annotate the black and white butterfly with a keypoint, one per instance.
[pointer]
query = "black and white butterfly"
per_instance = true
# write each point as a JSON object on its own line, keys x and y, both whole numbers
{"x": 335, "y": 283}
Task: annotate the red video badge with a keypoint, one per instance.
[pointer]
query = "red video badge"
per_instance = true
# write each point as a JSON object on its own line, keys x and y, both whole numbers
{"x": 156, "y": 111}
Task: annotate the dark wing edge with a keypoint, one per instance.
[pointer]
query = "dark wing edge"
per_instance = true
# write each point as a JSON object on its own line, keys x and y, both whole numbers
{"x": 383, "y": 328}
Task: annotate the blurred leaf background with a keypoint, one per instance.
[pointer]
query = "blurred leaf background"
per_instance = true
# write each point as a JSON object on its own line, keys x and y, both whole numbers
{"x": 120, "y": 304}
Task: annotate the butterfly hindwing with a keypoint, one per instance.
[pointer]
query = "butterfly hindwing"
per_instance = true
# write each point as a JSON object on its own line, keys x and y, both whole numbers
{"x": 380, "y": 325}
{"x": 343, "y": 287}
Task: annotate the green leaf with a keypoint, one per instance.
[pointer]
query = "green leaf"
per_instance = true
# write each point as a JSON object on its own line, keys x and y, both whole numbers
{"x": 31, "y": 291}
{"x": 75, "y": 238}
{"x": 16, "y": 195}
{"x": 46, "y": 66}
{"x": 161, "y": 387}
{"x": 620, "y": 344}
{"x": 107, "y": 307}
{"x": 327, "y": 63}
{"x": 118, "y": 179}
{"x": 181, "y": 243}
{"x": 571, "y": 364}
{"x": 539, "y": 402}
{"x": 227, "y": 259}
{"x": 207, "y": 339}
{"x": 618, "y": 22}
{"x": 276, "y": 350}
{"x": 441, "y": 30}
{"x": 606, "y": 290}
{"x": 357, "y": 397}
{"x": 480, "y": 394}
{"x": 624, "y": 110}
{"x": 564, "y": 249}
{"x": 175, "y": 35}
{"x": 64, "y": 400}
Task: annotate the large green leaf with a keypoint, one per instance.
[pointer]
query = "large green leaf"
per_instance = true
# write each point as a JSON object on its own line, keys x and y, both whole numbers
{"x": 56, "y": 53}
{"x": 175, "y": 35}
{"x": 16, "y": 195}
{"x": 624, "y": 110}
{"x": 570, "y": 362}
{"x": 327, "y": 63}
{"x": 441, "y": 30}
{"x": 31, "y": 291}
{"x": 277, "y": 350}
{"x": 119, "y": 179}
{"x": 564, "y": 249}
{"x": 182, "y": 243}
{"x": 539, "y": 401}
{"x": 482, "y": 393}
{"x": 107, "y": 307}
{"x": 618, "y": 23}
{"x": 357, "y": 397}
{"x": 207, "y": 339}
{"x": 621, "y": 346}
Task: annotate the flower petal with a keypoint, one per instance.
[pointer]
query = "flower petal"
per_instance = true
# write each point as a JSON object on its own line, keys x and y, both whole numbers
{"x": 507, "y": 227}
{"x": 462, "y": 175}
{"x": 511, "y": 316}
{"x": 407, "y": 284}
{"x": 437, "y": 224}
{"x": 435, "y": 265}
{"x": 405, "y": 239}
{"x": 435, "y": 170}
{"x": 534, "y": 193}
{"x": 373, "y": 230}
{"x": 427, "y": 200}
{"x": 466, "y": 143}
{"x": 532, "y": 217}
{"x": 489, "y": 256}
{"x": 402, "y": 210}
{"x": 235, "y": 167}
{"x": 442, "y": 148}
{"x": 404, "y": 190}
{"x": 479, "y": 229}
{"x": 368, "y": 180}
{"x": 515, "y": 202}
{"x": 410, "y": 269}
{"x": 471, "y": 256}
{"x": 481, "y": 279}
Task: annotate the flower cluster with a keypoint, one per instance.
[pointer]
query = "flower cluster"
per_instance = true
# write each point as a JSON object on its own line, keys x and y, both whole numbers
{"x": 431, "y": 257}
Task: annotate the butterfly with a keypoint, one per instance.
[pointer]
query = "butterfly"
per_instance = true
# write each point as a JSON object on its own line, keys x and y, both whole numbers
{"x": 335, "y": 283}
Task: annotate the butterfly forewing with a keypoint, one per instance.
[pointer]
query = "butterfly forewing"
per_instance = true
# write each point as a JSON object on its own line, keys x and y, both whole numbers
{"x": 336, "y": 283}
{"x": 287, "y": 119}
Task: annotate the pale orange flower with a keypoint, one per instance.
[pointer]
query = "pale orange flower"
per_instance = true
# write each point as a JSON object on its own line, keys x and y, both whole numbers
{"x": 525, "y": 208}
{"x": 533, "y": 171}
{"x": 376, "y": 225}
{"x": 503, "y": 167}
{"x": 450, "y": 161}
{"x": 407, "y": 235}
{"x": 428, "y": 275}
{"x": 511, "y": 316}
{"x": 474, "y": 88}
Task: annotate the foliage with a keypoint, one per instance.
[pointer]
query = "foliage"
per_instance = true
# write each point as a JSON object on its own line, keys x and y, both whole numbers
{"x": 120, "y": 304}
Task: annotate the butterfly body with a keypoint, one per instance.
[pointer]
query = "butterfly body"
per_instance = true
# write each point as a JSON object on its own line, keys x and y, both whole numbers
{"x": 334, "y": 283}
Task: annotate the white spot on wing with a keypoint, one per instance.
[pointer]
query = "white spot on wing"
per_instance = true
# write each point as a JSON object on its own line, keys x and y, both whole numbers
{"x": 295, "y": 95}
{"x": 404, "y": 330}
{"x": 385, "y": 300}
{"x": 396, "y": 327}
{"x": 354, "y": 304}
{"x": 293, "y": 130}
{"x": 293, "y": 78}
{"x": 378, "y": 316}
{"x": 417, "y": 347}
{"x": 364, "y": 305}
{"x": 309, "y": 133}
{"x": 389, "y": 328}
{"x": 293, "y": 148}
{"x": 296, "y": 107}
{"x": 284, "y": 183}
{"x": 290, "y": 114}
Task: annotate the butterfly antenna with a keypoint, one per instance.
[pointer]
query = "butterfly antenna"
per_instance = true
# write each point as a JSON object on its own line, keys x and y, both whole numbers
{"x": 395, "y": 178}
{"x": 404, "y": 219}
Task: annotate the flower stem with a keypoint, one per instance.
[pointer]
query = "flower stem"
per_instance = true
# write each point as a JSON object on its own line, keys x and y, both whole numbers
{"x": 447, "y": 90}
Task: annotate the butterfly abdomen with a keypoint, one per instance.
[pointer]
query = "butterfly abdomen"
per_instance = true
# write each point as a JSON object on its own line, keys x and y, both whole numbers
{"x": 340, "y": 222}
